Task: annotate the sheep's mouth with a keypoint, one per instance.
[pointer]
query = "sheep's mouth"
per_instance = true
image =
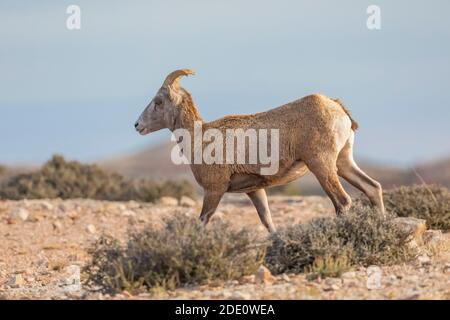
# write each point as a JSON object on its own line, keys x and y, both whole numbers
{"x": 143, "y": 131}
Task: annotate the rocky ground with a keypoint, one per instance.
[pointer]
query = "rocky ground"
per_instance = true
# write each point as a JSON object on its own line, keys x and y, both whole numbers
{"x": 44, "y": 245}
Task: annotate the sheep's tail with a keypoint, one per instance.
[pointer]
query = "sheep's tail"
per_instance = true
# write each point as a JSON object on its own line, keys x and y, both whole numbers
{"x": 354, "y": 123}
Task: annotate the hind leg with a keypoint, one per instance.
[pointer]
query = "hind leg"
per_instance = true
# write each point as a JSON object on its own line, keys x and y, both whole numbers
{"x": 326, "y": 173}
{"x": 349, "y": 170}
{"x": 259, "y": 199}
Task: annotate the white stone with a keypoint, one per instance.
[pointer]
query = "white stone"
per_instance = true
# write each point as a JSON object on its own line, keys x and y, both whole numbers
{"x": 168, "y": 201}
{"x": 57, "y": 225}
{"x": 72, "y": 282}
{"x": 424, "y": 260}
{"x": 332, "y": 284}
{"x": 263, "y": 275}
{"x": 374, "y": 275}
{"x": 238, "y": 295}
{"x": 411, "y": 226}
{"x": 91, "y": 228}
{"x": 285, "y": 277}
{"x": 446, "y": 268}
{"x": 19, "y": 214}
{"x": 46, "y": 205}
{"x": 187, "y": 202}
{"x": 128, "y": 213}
{"x": 15, "y": 281}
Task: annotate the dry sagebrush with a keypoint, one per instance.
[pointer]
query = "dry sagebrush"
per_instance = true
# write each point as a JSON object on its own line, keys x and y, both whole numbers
{"x": 332, "y": 245}
{"x": 429, "y": 202}
{"x": 181, "y": 253}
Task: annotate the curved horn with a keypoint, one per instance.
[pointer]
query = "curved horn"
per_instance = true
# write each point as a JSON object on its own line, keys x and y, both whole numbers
{"x": 174, "y": 77}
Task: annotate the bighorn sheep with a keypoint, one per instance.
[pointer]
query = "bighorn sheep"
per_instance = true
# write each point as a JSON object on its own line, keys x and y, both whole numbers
{"x": 316, "y": 133}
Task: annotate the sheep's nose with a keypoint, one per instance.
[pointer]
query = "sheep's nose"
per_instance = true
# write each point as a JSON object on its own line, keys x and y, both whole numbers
{"x": 136, "y": 124}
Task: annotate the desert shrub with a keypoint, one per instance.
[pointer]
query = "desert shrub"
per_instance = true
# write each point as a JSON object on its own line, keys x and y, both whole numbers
{"x": 2, "y": 169}
{"x": 331, "y": 245}
{"x": 176, "y": 189}
{"x": 59, "y": 178}
{"x": 429, "y": 202}
{"x": 183, "y": 252}
{"x": 328, "y": 267}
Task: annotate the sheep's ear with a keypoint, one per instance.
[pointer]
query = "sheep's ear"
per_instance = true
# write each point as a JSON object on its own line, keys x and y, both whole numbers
{"x": 175, "y": 76}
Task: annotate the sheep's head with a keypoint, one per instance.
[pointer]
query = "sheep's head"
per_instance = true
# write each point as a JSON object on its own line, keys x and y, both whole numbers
{"x": 163, "y": 111}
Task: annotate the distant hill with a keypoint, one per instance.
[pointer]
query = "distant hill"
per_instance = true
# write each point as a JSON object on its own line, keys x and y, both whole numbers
{"x": 8, "y": 172}
{"x": 151, "y": 162}
{"x": 155, "y": 162}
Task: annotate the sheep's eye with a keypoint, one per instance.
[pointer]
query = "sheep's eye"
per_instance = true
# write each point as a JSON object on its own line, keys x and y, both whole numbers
{"x": 158, "y": 101}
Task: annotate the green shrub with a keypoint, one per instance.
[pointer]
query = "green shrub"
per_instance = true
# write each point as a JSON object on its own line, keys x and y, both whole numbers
{"x": 181, "y": 253}
{"x": 361, "y": 237}
{"x": 59, "y": 178}
{"x": 328, "y": 267}
{"x": 429, "y": 202}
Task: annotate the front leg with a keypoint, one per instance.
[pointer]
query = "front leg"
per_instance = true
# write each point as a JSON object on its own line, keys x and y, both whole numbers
{"x": 210, "y": 202}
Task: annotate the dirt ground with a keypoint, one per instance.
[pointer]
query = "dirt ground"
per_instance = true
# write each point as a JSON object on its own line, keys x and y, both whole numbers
{"x": 44, "y": 245}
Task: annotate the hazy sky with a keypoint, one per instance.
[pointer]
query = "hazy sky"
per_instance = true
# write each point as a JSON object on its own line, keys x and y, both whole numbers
{"x": 79, "y": 92}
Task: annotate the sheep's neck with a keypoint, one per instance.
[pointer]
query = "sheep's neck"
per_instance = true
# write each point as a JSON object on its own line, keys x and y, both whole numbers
{"x": 188, "y": 115}
{"x": 189, "y": 120}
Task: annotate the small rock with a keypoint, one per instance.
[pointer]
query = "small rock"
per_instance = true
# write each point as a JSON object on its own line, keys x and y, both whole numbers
{"x": 349, "y": 275}
{"x": 133, "y": 204}
{"x": 127, "y": 294}
{"x": 349, "y": 278}
{"x": 261, "y": 228}
{"x": 218, "y": 215}
{"x": 128, "y": 213}
{"x": 226, "y": 294}
{"x": 263, "y": 275}
{"x": 46, "y": 206}
{"x": 63, "y": 207}
{"x": 168, "y": 201}
{"x": 91, "y": 228}
{"x": 393, "y": 277}
{"x": 16, "y": 281}
{"x": 72, "y": 214}
{"x": 332, "y": 284}
{"x": 432, "y": 236}
{"x": 43, "y": 263}
{"x": 71, "y": 282}
{"x": 285, "y": 277}
{"x": 411, "y": 226}
{"x": 187, "y": 202}
{"x": 446, "y": 268}
{"x": 247, "y": 279}
{"x": 374, "y": 274}
{"x": 424, "y": 260}
{"x": 57, "y": 225}
{"x": 18, "y": 214}
{"x": 238, "y": 295}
